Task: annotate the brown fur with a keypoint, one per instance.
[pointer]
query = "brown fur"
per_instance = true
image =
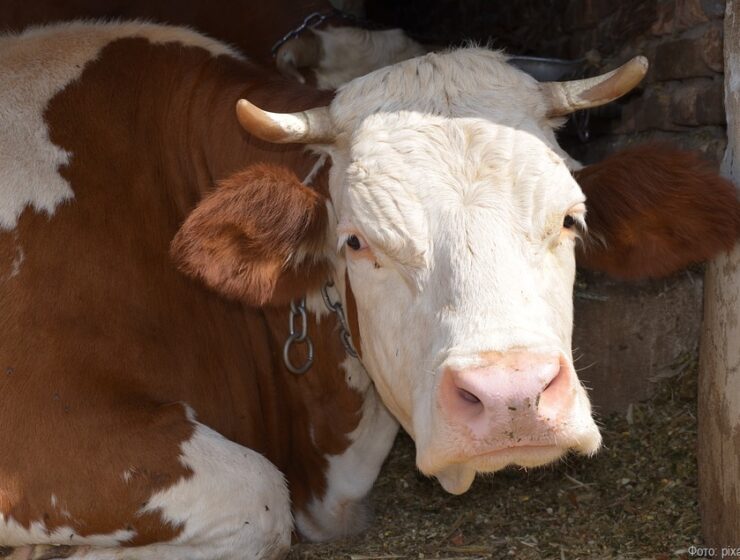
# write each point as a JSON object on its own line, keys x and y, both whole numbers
{"x": 247, "y": 234}
{"x": 101, "y": 335}
{"x": 653, "y": 210}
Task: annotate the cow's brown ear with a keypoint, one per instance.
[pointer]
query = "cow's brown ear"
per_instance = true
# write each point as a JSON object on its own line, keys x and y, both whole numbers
{"x": 257, "y": 237}
{"x": 653, "y": 210}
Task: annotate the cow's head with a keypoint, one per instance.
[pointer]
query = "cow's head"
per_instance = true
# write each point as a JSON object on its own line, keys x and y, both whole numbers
{"x": 454, "y": 215}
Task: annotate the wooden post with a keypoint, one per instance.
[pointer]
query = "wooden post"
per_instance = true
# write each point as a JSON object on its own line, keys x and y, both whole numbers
{"x": 719, "y": 367}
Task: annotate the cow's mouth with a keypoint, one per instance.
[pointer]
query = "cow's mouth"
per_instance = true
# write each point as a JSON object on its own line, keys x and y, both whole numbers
{"x": 526, "y": 455}
{"x": 457, "y": 478}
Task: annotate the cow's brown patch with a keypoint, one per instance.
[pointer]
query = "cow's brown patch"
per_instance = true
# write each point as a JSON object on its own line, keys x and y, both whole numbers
{"x": 102, "y": 335}
{"x": 653, "y": 210}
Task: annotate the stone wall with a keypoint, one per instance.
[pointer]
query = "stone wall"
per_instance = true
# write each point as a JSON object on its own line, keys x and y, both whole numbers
{"x": 681, "y": 98}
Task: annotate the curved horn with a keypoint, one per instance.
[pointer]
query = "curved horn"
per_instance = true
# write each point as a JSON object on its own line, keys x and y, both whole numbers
{"x": 566, "y": 97}
{"x": 312, "y": 126}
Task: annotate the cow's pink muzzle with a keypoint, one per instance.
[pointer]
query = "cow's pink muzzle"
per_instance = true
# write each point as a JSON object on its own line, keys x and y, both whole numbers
{"x": 516, "y": 399}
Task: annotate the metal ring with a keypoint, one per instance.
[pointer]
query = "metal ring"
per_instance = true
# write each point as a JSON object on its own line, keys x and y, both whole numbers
{"x": 286, "y": 356}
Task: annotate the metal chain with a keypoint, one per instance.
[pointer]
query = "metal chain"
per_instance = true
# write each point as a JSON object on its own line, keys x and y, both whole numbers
{"x": 336, "y": 307}
{"x": 298, "y": 337}
{"x": 317, "y": 18}
{"x": 299, "y": 310}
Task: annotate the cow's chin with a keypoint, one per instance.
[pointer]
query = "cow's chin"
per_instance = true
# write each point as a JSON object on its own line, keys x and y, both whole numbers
{"x": 457, "y": 477}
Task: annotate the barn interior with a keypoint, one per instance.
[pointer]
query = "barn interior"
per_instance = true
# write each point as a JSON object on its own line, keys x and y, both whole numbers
{"x": 637, "y": 342}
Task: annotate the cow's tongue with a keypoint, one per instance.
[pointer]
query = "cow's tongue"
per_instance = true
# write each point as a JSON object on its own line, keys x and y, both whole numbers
{"x": 456, "y": 479}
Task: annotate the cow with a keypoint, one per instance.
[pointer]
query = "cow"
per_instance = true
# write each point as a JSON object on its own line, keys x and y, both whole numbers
{"x": 253, "y": 27}
{"x": 327, "y": 52}
{"x": 211, "y": 334}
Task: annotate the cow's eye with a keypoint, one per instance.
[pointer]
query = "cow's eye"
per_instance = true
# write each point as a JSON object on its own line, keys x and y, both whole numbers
{"x": 569, "y": 221}
{"x": 353, "y": 242}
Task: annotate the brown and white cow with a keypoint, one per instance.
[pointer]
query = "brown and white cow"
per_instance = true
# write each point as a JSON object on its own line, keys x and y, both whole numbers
{"x": 326, "y": 55}
{"x": 143, "y": 416}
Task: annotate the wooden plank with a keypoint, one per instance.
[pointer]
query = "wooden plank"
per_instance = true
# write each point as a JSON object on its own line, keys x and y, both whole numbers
{"x": 719, "y": 373}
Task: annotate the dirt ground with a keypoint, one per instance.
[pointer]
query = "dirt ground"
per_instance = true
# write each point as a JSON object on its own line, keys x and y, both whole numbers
{"x": 636, "y": 499}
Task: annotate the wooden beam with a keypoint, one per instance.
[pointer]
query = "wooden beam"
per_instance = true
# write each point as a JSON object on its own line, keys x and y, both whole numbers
{"x": 719, "y": 367}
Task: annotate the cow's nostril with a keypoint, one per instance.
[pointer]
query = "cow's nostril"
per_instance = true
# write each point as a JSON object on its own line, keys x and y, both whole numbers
{"x": 549, "y": 384}
{"x": 468, "y": 396}
{"x": 557, "y": 395}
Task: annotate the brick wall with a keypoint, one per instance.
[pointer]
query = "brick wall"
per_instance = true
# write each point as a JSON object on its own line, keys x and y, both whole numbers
{"x": 681, "y": 98}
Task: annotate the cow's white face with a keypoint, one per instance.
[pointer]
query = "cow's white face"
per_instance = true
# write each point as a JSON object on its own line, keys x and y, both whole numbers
{"x": 456, "y": 218}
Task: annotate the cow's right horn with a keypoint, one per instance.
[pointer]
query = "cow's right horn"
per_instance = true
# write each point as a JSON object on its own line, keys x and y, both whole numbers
{"x": 313, "y": 126}
{"x": 566, "y": 97}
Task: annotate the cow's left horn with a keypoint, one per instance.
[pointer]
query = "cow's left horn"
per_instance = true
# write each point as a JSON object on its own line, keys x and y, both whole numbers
{"x": 313, "y": 126}
{"x": 566, "y": 97}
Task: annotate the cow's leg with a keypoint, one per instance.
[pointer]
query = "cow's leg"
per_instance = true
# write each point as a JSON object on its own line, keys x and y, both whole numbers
{"x": 219, "y": 500}
{"x": 235, "y": 505}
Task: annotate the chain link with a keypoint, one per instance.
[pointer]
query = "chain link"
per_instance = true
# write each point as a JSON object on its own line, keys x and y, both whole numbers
{"x": 298, "y": 337}
{"x": 336, "y": 307}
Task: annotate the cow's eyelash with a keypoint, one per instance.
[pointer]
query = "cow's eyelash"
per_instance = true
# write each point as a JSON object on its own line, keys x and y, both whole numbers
{"x": 579, "y": 225}
{"x": 579, "y": 230}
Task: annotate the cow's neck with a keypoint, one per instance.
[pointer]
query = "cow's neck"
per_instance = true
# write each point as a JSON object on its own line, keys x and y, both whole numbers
{"x": 215, "y": 145}
{"x": 339, "y": 430}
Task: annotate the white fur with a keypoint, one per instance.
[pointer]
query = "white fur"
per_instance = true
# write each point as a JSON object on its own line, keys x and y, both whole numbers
{"x": 12, "y": 534}
{"x": 11, "y": 269}
{"x": 342, "y": 511}
{"x": 36, "y": 65}
{"x": 349, "y": 52}
{"x": 18, "y": 259}
{"x": 447, "y": 167}
{"x": 236, "y": 504}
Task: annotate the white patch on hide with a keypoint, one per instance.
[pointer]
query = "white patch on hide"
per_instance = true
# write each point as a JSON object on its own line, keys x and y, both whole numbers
{"x": 316, "y": 306}
{"x": 12, "y": 534}
{"x": 35, "y": 66}
{"x": 235, "y": 505}
{"x": 14, "y": 266}
{"x": 127, "y": 475}
{"x": 18, "y": 259}
{"x": 351, "y": 475}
